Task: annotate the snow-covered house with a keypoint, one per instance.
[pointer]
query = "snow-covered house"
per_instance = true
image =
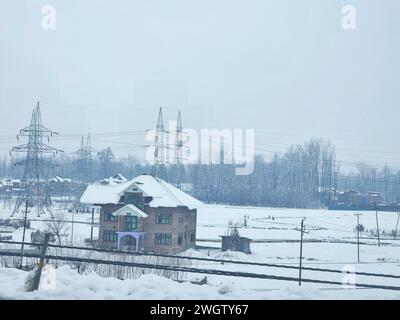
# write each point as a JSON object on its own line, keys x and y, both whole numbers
{"x": 350, "y": 198}
{"x": 60, "y": 180}
{"x": 10, "y": 185}
{"x": 143, "y": 214}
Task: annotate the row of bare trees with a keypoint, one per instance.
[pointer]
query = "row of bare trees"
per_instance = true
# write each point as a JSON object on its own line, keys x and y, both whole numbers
{"x": 302, "y": 177}
{"x": 306, "y": 175}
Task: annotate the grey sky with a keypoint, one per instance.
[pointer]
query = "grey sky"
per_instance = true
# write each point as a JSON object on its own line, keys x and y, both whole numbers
{"x": 285, "y": 68}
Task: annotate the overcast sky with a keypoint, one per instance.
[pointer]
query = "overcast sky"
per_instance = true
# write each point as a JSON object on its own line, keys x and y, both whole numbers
{"x": 285, "y": 68}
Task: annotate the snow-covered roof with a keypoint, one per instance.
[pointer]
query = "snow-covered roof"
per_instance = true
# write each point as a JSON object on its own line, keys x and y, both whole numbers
{"x": 130, "y": 209}
{"x": 118, "y": 178}
{"x": 100, "y": 193}
{"x": 163, "y": 193}
{"x": 59, "y": 179}
{"x": 9, "y": 182}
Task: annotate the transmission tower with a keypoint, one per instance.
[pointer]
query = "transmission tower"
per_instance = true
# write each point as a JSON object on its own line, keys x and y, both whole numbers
{"x": 84, "y": 160}
{"x": 179, "y": 140}
{"x": 158, "y": 168}
{"x": 178, "y": 165}
{"x": 34, "y": 190}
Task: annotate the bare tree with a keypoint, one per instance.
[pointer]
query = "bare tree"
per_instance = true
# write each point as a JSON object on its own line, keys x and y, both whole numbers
{"x": 106, "y": 157}
{"x": 58, "y": 226}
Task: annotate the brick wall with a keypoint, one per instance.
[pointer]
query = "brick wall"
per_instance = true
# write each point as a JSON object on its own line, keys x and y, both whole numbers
{"x": 183, "y": 223}
{"x": 106, "y": 226}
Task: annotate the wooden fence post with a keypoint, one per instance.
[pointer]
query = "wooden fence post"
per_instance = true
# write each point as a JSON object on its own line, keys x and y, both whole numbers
{"x": 41, "y": 262}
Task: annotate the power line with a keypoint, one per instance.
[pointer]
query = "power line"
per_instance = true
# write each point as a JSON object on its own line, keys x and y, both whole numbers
{"x": 261, "y": 264}
{"x": 191, "y": 270}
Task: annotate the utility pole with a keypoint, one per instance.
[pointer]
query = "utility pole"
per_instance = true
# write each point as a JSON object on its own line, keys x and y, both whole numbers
{"x": 38, "y": 274}
{"x": 397, "y": 224}
{"x": 23, "y": 234}
{"x": 34, "y": 188}
{"x": 301, "y": 249}
{"x": 377, "y": 226}
{"x": 72, "y": 228}
{"x": 358, "y": 235}
{"x": 91, "y": 228}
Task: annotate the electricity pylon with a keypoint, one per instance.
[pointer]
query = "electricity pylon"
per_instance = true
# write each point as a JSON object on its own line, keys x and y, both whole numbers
{"x": 178, "y": 165}
{"x": 178, "y": 140}
{"x": 158, "y": 168}
{"x": 84, "y": 160}
{"x": 34, "y": 189}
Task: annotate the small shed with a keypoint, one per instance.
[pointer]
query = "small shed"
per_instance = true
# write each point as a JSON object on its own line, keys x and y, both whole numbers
{"x": 235, "y": 242}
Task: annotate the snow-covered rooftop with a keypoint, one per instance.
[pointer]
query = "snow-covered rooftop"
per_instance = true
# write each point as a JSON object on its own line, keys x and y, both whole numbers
{"x": 163, "y": 193}
{"x": 101, "y": 193}
{"x": 59, "y": 179}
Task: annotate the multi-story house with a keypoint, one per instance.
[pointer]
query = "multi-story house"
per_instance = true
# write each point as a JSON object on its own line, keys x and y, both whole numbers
{"x": 143, "y": 214}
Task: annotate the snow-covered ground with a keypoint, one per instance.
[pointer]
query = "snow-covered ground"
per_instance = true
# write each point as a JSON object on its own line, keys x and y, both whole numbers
{"x": 70, "y": 285}
{"x": 65, "y": 283}
{"x": 275, "y": 234}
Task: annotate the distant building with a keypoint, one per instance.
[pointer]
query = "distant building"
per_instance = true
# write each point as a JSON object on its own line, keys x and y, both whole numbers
{"x": 11, "y": 183}
{"x": 58, "y": 185}
{"x": 373, "y": 198}
{"x": 143, "y": 214}
{"x": 355, "y": 199}
{"x": 348, "y": 198}
{"x": 59, "y": 180}
{"x": 10, "y": 186}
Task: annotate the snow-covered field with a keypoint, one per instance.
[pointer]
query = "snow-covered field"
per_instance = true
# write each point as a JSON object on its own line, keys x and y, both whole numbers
{"x": 70, "y": 285}
{"x": 275, "y": 234}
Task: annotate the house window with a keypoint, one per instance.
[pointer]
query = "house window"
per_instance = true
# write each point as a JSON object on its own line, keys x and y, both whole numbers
{"x": 131, "y": 199}
{"x": 109, "y": 236}
{"x": 163, "y": 238}
{"x": 131, "y": 223}
{"x": 134, "y": 196}
{"x": 180, "y": 219}
{"x": 108, "y": 216}
{"x": 163, "y": 218}
{"x": 193, "y": 236}
{"x": 180, "y": 237}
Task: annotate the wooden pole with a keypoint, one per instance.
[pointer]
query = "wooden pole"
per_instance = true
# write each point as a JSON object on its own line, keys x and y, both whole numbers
{"x": 72, "y": 228}
{"x": 23, "y": 233}
{"x": 301, "y": 249}
{"x": 397, "y": 224}
{"x": 377, "y": 226}
{"x": 91, "y": 228}
{"x": 41, "y": 262}
{"x": 358, "y": 236}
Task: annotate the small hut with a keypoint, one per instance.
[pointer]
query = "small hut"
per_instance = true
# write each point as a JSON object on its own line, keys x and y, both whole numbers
{"x": 234, "y": 242}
